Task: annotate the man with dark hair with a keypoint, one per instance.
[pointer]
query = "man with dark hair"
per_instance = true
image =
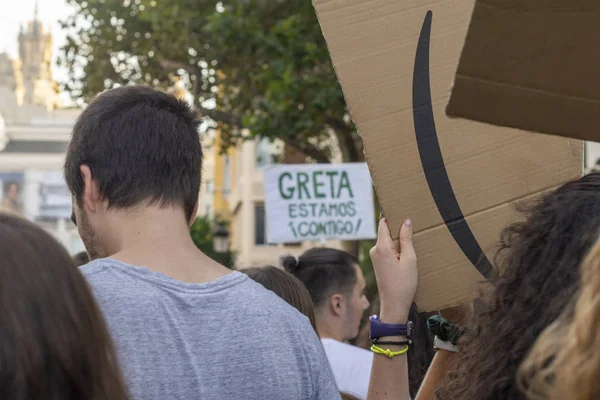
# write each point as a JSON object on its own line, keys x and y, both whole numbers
{"x": 184, "y": 326}
{"x": 336, "y": 285}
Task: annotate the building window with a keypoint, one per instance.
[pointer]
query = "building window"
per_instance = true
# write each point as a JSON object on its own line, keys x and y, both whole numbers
{"x": 264, "y": 154}
{"x": 209, "y": 186}
{"x": 260, "y": 232}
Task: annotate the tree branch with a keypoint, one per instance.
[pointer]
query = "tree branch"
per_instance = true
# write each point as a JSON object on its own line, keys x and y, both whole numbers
{"x": 344, "y": 133}
{"x": 220, "y": 116}
{"x": 229, "y": 118}
{"x": 308, "y": 149}
{"x": 337, "y": 124}
{"x": 175, "y": 65}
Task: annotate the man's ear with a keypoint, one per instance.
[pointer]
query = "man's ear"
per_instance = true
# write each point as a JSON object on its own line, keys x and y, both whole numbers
{"x": 336, "y": 304}
{"x": 91, "y": 191}
{"x": 193, "y": 216}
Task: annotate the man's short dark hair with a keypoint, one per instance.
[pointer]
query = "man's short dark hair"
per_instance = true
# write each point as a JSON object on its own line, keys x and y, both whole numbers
{"x": 141, "y": 145}
{"x": 324, "y": 272}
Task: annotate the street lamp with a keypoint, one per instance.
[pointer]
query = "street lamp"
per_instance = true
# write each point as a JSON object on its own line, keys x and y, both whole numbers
{"x": 220, "y": 238}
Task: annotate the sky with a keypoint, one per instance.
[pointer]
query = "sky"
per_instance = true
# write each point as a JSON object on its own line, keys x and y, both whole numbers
{"x": 13, "y": 13}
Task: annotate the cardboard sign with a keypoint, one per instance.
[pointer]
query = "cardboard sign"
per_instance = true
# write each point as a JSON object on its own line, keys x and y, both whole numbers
{"x": 532, "y": 65}
{"x": 458, "y": 180}
{"x": 309, "y": 202}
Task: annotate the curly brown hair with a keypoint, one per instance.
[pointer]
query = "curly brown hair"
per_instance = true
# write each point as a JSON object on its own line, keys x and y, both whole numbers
{"x": 538, "y": 263}
{"x": 563, "y": 364}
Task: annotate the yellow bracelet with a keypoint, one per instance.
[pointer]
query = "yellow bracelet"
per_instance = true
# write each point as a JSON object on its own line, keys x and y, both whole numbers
{"x": 387, "y": 352}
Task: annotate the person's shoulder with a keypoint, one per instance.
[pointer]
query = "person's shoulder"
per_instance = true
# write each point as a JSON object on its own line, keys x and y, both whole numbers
{"x": 262, "y": 310}
{"x": 96, "y": 268}
{"x": 100, "y": 270}
{"x": 110, "y": 279}
{"x": 255, "y": 297}
{"x": 286, "y": 327}
{"x": 97, "y": 265}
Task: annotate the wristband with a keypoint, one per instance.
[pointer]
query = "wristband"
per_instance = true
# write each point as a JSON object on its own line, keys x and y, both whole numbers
{"x": 403, "y": 343}
{"x": 387, "y": 352}
{"x": 380, "y": 329}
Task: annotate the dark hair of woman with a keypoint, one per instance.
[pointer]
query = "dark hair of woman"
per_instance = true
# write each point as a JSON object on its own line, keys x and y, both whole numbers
{"x": 324, "y": 272}
{"x": 286, "y": 286}
{"x": 538, "y": 266}
{"x": 53, "y": 340}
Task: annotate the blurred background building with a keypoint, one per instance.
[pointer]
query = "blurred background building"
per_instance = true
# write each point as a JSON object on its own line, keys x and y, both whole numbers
{"x": 34, "y": 134}
{"x": 233, "y": 192}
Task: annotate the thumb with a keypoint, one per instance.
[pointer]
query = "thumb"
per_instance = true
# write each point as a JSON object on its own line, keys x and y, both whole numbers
{"x": 406, "y": 239}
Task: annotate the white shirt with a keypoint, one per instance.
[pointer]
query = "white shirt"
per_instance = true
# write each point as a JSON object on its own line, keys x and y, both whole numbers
{"x": 351, "y": 367}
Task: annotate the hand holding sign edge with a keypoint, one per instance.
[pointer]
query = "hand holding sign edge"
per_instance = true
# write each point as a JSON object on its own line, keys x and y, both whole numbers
{"x": 395, "y": 265}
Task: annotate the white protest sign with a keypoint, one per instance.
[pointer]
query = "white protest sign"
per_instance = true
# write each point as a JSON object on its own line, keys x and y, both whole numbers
{"x": 308, "y": 202}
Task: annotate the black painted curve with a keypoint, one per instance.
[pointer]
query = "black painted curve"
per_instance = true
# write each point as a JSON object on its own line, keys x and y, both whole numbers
{"x": 433, "y": 161}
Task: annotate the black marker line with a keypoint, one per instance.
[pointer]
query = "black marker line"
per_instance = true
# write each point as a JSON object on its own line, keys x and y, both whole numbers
{"x": 433, "y": 161}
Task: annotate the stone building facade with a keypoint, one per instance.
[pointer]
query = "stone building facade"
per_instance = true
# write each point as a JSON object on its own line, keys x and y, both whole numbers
{"x": 34, "y": 134}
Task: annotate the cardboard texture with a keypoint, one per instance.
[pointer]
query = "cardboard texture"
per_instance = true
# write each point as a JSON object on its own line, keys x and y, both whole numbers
{"x": 458, "y": 180}
{"x": 532, "y": 65}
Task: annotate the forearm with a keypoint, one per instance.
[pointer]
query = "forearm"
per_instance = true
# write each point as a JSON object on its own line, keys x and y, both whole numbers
{"x": 397, "y": 278}
{"x": 435, "y": 374}
{"x": 389, "y": 376}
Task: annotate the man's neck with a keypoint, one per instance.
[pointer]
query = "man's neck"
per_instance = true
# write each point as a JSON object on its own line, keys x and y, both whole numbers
{"x": 327, "y": 329}
{"x": 159, "y": 240}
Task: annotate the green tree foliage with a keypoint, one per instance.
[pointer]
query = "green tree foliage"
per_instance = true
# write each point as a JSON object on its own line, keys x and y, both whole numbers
{"x": 201, "y": 232}
{"x": 256, "y": 64}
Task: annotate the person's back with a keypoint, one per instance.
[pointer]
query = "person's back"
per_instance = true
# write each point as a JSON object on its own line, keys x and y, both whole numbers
{"x": 184, "y": 326}
{"x": 225, "y": 339}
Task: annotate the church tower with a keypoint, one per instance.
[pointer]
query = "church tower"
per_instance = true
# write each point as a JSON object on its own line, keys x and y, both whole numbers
{"x": 35, "y": 50}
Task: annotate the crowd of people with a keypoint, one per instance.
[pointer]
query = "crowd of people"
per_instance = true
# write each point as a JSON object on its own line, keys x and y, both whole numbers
{"x": 148, "y": 316}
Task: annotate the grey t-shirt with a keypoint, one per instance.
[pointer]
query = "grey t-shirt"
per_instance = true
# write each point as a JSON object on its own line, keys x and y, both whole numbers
{"x": 227, "y": 339}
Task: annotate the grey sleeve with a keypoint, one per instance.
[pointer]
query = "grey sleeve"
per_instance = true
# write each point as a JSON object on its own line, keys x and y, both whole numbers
{"x": 326, "y": 388}
{"x": 324, "y": 385}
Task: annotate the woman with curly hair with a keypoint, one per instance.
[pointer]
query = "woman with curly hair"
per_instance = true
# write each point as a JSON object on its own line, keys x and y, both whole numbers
{"x": 564, "y": 363}
{"x": 538, "y": 266}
